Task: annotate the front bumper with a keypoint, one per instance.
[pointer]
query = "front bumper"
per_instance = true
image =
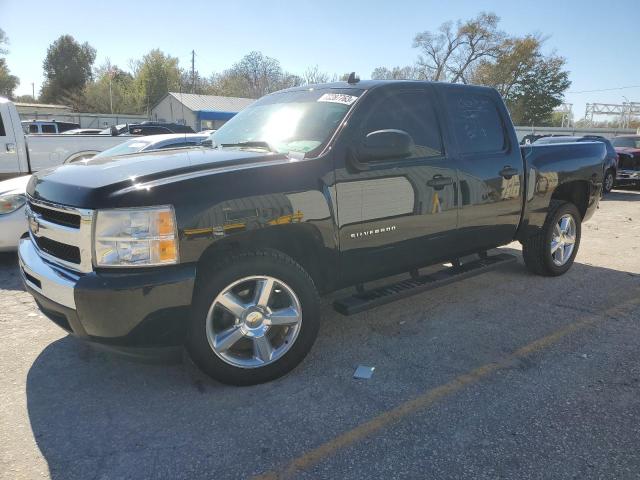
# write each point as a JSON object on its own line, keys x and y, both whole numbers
{"x": 132, "y": 311}
{"x": 628, "y": 176}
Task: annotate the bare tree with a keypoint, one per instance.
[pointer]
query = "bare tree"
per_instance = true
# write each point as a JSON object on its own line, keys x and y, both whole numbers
{"x": 313, "y": 75}
{"x": 454, "y": 50}
{"x": 480, "y": 39}
{"x": 398, "y": 73}
{"x": 261, "y": 73}
{"x": 437, "y": 49}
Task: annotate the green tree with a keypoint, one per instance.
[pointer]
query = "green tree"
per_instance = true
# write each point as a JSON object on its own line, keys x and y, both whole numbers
{"x": 4, "y": 40}
{"x": 531, "y": 83}
{"x": 8, "y": 82}
{"x": 112, "y": 90}
{"x": 67, "y": 69}
{"x": 154, "y": 76}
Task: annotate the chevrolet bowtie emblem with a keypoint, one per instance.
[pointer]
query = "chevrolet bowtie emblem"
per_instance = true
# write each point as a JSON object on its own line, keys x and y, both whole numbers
{"x": 34, "y": 226}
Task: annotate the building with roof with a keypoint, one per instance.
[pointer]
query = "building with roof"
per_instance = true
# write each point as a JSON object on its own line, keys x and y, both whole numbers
{"x": 200, "y": 112}
{"x": 39, "y": 109}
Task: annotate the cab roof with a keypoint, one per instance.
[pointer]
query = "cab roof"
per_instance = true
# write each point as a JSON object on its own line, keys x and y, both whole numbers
{"x": 374, "y": 84}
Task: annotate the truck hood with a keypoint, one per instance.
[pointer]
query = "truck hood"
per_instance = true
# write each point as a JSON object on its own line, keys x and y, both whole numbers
{"x": 634, "y": 152}
{"x": 81, "y": 184}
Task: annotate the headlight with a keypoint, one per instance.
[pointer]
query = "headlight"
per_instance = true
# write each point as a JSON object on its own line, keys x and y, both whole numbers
{"x": 11, "y": 203}
{"x": 136, "y": 237}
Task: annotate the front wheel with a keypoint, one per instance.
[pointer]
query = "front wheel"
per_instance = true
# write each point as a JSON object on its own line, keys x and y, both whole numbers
{"x": 254, "y": 318}
{"x": 608, "y": 182}
{"x": 552, "y": 251}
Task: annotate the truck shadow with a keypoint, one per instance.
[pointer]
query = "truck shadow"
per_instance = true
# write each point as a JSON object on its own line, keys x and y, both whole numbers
{"x": 623, "y": 194}
{"x": 94, "y": 415}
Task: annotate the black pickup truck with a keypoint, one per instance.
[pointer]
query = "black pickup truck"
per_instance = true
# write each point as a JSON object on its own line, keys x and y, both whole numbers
{"x": 225, "y": 248}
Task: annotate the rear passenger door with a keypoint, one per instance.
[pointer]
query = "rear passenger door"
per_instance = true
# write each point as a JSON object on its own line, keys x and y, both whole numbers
{"x": 394, "y": 214}
{"x": 490, "y": 167}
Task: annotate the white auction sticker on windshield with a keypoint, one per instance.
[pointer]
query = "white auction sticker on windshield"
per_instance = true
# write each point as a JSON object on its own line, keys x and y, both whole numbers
{"x": 338, "y": 98}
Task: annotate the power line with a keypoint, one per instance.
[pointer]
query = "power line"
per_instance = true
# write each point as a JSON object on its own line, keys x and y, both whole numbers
{"x": 606, "y": 89}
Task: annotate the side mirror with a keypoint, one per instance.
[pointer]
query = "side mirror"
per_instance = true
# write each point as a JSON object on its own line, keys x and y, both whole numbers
{"x": 386, "y": 145}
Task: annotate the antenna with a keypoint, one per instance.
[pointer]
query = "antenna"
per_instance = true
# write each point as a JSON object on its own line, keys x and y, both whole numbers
{"x": 353, "y": 79}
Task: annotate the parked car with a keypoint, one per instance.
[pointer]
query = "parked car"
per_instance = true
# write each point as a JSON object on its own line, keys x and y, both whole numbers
{"x": 147, "y": 128}
{"x": 306, "y": 191}
{"x": 610, "y": 162}
{"x": 628, "y": 148}
{"x": 23, "y": 154}
{"x": 13, "y": 221}
{"x": 154, "y": 142}
{"x": 47, "y": 126}
{"x": 531, "y": 138}
{"x": 83, "y": 131}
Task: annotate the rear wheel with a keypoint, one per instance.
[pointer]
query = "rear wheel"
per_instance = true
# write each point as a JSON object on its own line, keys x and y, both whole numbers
{"x": 608, "y": 182}
{"x": 552, "y": 251}
{"x": 255, "y": 317}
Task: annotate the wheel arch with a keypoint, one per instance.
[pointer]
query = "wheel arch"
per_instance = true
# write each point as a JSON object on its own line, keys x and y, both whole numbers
{"x": 576, "y": 192}
{"x": 80, "y": 155}
{"x": 302, "y": 242}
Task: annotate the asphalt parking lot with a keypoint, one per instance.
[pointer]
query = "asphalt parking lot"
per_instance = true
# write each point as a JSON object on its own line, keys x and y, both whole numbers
{"x": 505, "y": 375}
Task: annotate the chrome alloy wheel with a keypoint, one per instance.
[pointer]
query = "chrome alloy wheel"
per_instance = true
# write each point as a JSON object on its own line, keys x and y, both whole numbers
{"x": 254, "y": 321}
{"x": 563, "y": 240}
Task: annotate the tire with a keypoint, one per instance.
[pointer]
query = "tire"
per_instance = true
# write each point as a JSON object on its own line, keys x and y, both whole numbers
{"x": 537, "y": 250}
{"x": 241, "y": 278}
{"x": 608, "y": 182}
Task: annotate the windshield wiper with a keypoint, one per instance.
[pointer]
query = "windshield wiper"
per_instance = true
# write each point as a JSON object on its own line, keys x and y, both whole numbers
{"x": 256, "y": 144}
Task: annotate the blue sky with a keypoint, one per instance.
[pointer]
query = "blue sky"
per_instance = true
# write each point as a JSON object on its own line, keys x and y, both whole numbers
{"x": 599, "y": 39}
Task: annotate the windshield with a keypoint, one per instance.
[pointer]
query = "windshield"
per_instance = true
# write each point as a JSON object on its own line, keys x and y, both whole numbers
{"x": 130, "y": 146}
{"x": 299, "y": 121}
{"x": 629, "y": 142}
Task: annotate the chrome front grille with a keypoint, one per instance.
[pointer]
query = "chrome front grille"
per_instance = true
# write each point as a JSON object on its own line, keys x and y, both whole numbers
{"x": 62, "y": 234}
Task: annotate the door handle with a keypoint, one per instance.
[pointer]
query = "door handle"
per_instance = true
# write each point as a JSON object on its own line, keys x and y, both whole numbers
{"x": 11, "y": 147}
{"x": 438, "y": 182}
{"x": 508, "y": 171}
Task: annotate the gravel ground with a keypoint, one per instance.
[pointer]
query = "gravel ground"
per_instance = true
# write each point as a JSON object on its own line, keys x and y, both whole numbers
{"x": 505, "y": 375}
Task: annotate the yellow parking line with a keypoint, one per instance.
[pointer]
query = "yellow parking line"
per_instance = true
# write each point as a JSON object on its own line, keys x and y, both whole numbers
{"x": 428, "y": 398}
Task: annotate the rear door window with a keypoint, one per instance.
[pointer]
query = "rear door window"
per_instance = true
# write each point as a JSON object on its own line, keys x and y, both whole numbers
{"x": 49, "y": 129}
{"x": 476, "y": 121}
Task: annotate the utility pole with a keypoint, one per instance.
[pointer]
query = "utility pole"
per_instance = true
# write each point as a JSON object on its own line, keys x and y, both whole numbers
{"x": 111, "y": 90}
{"x": 193, "y": 71}
{"x": 33, "y": 91}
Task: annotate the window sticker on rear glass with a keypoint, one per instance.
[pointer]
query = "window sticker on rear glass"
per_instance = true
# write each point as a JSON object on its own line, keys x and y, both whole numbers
{"x": 338, "y": 98}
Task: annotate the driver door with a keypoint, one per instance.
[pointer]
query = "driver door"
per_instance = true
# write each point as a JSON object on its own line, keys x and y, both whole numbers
{"x": 396, "y": 213}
